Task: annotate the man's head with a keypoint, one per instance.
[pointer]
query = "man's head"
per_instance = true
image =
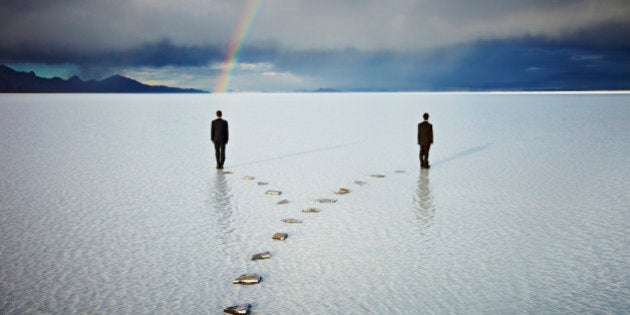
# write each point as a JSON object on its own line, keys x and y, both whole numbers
{"x": 425, "y": 116}
{"x": 219, "y": 114}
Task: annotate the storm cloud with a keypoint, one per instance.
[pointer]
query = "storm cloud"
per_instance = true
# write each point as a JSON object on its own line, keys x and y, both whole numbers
{"x": 397, "y": 44}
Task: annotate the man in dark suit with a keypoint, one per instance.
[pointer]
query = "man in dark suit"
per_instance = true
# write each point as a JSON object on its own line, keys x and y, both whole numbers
{"x": 219, "y": 136}
{"x": 425, "y": 139}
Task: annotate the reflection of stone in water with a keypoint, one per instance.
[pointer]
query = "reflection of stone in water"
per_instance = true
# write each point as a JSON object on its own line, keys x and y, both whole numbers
{"x": 360, "y": 183}
{"x": 423, "y": 199}
{"x": 280, "y": 236}
{"x": 291, "y": 221}
{"x": 248, "y": 278}
{"x": 326, "y": 200}
{"x": 238, "y": 309}
{"x": 263, "y": 255}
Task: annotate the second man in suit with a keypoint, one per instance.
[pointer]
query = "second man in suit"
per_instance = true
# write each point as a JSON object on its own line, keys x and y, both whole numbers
{"x": 425, "y": 139}
{"x": 219, "y": 135}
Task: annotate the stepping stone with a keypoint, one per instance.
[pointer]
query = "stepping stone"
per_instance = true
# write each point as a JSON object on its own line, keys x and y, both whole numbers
{"x": 311, "y": 210}
{"x": 262, "y": 183}
{"x": 238, "y": 309}
{"x": 325, "y": 200}
{"x": 378, "y": 176}
{"x": 248, "y": 278}
{"x": 342, "y": 191}
{"x": 282, "y": 202}
{"x": 360, "y": 183}
{"x": 280, "y": 236}
{"x": 291, "y": 220}
{"x": 249, "y": 178}
{"x": 273, "y": 192}
{"x": 265, "y": 255}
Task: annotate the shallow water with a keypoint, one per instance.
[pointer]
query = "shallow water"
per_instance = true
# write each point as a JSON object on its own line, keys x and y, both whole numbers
{"x": 110, "y": 204}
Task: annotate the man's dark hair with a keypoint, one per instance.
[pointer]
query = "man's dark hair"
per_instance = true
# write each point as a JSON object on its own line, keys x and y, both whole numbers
{"x": 425, "y": 116}
{"x": 219, "y": 113}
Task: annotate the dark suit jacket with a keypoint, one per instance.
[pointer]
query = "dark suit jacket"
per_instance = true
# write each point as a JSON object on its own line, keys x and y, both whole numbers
{"x": 219, "y": 131}
{"x": 425, "y": 133}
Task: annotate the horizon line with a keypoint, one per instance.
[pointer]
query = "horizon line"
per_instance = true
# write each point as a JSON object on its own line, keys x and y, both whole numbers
{"x": 601, "y": 92}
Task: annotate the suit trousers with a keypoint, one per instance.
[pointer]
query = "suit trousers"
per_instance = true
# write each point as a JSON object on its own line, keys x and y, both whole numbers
{"x": 219, "y": 152}
{"x": 424, "y": 155}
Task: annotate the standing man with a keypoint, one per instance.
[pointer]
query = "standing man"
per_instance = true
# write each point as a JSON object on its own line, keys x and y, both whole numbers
{"x": 219, "y": 136}
{"x": 425, "y": 139}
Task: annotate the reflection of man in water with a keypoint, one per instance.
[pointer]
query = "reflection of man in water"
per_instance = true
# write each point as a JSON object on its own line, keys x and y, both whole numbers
{"x": 425, "y": 139}
{"x": 219, "y": 136}
{"x": 423, "y": 200}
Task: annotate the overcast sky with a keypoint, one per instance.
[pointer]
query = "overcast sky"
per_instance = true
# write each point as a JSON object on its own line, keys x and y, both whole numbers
{"x": 343, "y": 44}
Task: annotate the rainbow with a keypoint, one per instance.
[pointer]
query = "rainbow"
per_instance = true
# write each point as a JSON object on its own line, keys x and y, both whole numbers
{"x": 236, "y": 44}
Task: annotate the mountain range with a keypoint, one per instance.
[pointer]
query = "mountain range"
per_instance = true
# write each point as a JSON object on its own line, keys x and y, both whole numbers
{"x": 12, "y": 81}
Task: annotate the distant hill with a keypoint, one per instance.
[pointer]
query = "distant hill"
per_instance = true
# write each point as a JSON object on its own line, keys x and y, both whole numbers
{"x": 12, "y": 81}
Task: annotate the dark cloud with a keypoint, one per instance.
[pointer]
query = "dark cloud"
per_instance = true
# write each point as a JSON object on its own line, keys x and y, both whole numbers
{"x": 528, "y": 63}
{"x": 348, "y": 44}
{"x": 14, "y": 7}
{"x": 537, "y": 64}
{"x": 325, "y": 24}
{"x": 601, "y": 36}
{"x": 158, "y": 54}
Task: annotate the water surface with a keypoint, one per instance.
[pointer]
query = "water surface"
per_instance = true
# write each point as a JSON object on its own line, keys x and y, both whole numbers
{"x": 110, "y": 204}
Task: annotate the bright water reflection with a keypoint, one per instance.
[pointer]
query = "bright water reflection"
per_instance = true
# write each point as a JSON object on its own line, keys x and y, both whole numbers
{"x": 111, "y": 204}
{"x": 423, "y": 200}
{"x": 220, "y": 202}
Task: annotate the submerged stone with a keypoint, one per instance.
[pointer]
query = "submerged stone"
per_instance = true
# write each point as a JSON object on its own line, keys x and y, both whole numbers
{"x": 227, "y": 172}
{"x": 248, "y": 278}
{"x": 400, "y": 171}
{"x": 377, "y": 175}
{"x": 280, "y": 236}
{"x": 238, "y": 309}
{"x": 273, "y": 192}
{"x": 248, "y": 178}
{"x": 342, "y": 191}
{"x": 310, "y": 210}
{"x": 325, "y": 200}
{"x": 282, "y": 202}
{"x": 262, "y": 183}
{"x": 291, "y": 220}
{"x": 360, "y": 183}
{"x": 259, "y": 256}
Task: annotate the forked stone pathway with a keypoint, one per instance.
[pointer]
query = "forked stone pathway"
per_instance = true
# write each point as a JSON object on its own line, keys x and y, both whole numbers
{"x": 251, "y": 278}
